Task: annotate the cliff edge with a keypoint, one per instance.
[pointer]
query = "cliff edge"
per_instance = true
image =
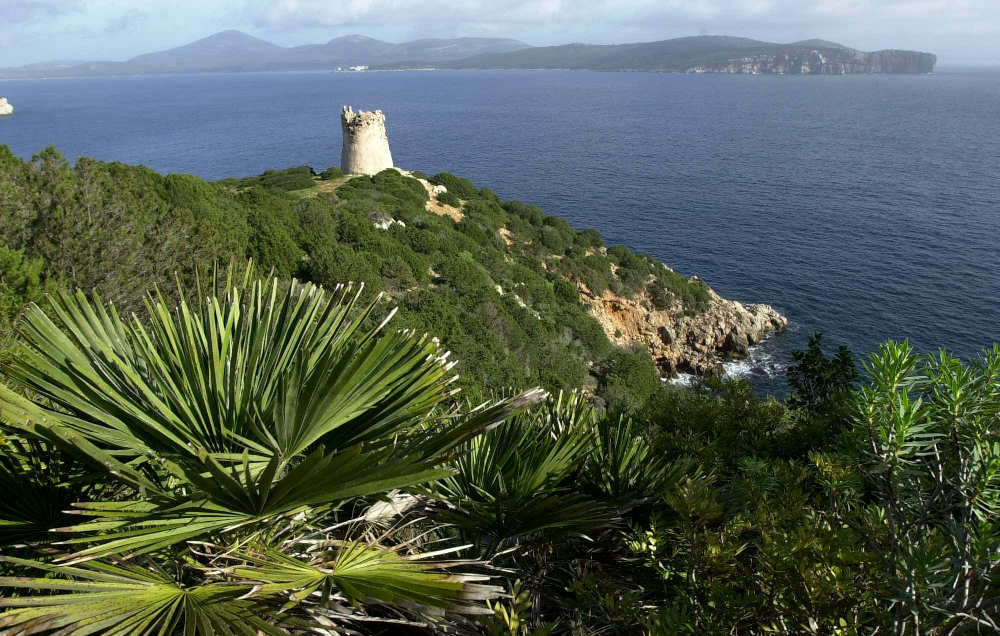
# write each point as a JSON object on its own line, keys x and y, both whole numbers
{"x": 681, "y": 341}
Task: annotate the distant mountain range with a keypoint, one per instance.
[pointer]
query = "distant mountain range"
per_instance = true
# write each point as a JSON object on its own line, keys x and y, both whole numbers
{"x": 702, "y": 54}
{"x": 234, "y": 51}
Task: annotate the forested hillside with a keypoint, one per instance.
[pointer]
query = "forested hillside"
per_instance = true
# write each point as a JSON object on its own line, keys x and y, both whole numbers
{"x": 497, "y": 287}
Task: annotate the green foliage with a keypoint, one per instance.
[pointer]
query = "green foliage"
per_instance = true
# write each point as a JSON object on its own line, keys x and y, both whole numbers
{"x": 628, "y": 379}
{"x": 449, "y": 198}
{"x": 272, "y": 242}
{"x": 333, "y": 172}
{"x": 925, "y": 497}
{"x": 821, "y": 384}
{"x": 565, "y": 291}
{"x": 265, "y": 457}
{"x": 118, "y": 230}
{"x": 461, "y": 188}
{"x": 511, "y": 487}
{"x": 20, "y": 284}
{"x": 263, "y": 405}
{"x": 298, "y": 178}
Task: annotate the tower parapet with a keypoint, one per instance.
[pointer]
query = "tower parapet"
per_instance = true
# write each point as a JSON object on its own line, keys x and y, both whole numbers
{"x": 366, "y": 146}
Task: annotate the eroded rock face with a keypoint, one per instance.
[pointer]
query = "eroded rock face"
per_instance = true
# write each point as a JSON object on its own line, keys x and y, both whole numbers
{"x": 683, "y": 343}
{"x": 826, "y": 62}
{"x": 5, "y": 107}
{"x": 366, "y": 146}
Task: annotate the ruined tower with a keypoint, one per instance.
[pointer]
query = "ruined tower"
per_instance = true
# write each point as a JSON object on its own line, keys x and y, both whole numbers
{"x": 366, "y": 147}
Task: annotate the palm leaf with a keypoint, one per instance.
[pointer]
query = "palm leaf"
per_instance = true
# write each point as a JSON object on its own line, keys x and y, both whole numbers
{"x": 512, "y": 483}
{"x": 364, "y": 572}
{"x": 125, "y": 599}
{"x": 260, "y": 402}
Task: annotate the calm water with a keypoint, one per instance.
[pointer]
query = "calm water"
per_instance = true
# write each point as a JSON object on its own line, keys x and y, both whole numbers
{"x": 865, "y": 207}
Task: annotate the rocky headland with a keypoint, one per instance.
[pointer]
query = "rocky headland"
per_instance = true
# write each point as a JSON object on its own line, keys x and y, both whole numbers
{"x": 823, "y": 61}
{"x": 678, "y": 339}
{"x": 706, "y": 54}
{"x": 5, "y": 107}
{"x": 682, "y": 341}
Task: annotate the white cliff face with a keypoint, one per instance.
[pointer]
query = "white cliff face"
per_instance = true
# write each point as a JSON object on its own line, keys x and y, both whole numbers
{"x": 366, "y": 147}
{"x": 5, "y": 107}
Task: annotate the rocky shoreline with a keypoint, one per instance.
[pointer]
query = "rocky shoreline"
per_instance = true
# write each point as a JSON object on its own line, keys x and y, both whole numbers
{"x": 823, "y": 62}
{"x": 680, "y": 341}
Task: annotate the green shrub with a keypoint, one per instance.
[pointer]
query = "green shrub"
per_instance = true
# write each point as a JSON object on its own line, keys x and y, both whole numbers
{"x": 449, "y": 198}
{"x": 333, "y": 172}
{"x": 566, "y": 291}
{"x": 530, "y": 213}
{"x": 298, "y": 178}
{"x": 589, "y": 239}
{"x": 20, "y": 284}
{"x": 462, "y": 188}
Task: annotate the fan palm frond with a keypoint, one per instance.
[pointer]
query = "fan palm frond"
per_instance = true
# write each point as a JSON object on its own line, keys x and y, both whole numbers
{"x": 270, "y": 405}
{"x": 261, "y": 402}
{"x": 126, "y": 599}
{"x": 39, "y": 484}
{"x": 624, "y": 468}
{"x": 510, "y": 484}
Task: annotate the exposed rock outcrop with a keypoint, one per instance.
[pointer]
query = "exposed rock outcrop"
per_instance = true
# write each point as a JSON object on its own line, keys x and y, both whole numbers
{"x": 679, "y": 341}
{"x": 825, "y": 61}
{"x": 433, "y": 204}
{"x": 366, "y": 146}
{"x": 5, "y": 107}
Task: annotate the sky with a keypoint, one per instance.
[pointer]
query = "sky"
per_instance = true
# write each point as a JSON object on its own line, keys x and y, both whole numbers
{"x": 960, "y": 32}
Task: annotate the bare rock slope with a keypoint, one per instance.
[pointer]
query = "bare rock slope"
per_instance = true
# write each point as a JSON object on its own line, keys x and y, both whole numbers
{"x": 681, "y": 341}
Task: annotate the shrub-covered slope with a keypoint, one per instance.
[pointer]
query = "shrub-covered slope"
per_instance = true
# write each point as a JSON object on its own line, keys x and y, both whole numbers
{"x": 498, "y": 282}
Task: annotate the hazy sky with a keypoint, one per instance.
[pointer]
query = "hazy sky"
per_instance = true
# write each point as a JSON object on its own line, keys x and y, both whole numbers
{"x": 959, "y": 31}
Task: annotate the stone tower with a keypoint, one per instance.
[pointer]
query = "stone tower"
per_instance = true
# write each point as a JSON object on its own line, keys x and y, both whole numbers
{"x": 366, "y": 147}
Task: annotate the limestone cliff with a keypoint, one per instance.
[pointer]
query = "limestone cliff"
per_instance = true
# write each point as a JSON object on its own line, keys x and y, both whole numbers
{"x": 366, "y": 146}
{"x": 5, "y": 107}
{"x": 680, "y": 341}
{"x": 823, "y": 61}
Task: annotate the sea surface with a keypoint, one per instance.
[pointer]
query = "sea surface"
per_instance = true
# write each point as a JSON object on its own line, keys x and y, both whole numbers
{"x": 863, "y": 207}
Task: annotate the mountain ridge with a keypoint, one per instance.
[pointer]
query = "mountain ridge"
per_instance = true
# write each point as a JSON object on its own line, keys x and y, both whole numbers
{"x": 703, "y": 54}
{"x": 236, "y": 51}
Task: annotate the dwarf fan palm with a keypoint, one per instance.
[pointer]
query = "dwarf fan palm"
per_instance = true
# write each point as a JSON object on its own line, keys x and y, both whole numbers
{"x": 266, "y": 405}
{"x": 511, "y": 485}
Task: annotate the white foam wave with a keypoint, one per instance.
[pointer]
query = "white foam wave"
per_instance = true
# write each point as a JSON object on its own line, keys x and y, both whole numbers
{"x": 682, "y": 379}
{"x": 759, "y": 362}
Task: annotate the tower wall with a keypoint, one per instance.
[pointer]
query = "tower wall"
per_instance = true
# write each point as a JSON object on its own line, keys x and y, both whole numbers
{"x": 366, "y": 146}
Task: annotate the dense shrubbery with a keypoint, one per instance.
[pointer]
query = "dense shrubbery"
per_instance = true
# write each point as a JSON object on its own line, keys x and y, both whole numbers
{"x": 76, "y": 220}
{"x": 289, "y": 179}
{"x": 462, "y": 188}
{"x": 449, "y": 198}
{"x": 333, "y": 172}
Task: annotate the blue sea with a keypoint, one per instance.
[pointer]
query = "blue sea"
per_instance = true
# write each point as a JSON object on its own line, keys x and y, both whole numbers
{"x": 863, "y": 207}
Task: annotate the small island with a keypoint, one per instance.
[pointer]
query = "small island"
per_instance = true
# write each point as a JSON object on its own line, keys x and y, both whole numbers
{"x": 5, "y": 107}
